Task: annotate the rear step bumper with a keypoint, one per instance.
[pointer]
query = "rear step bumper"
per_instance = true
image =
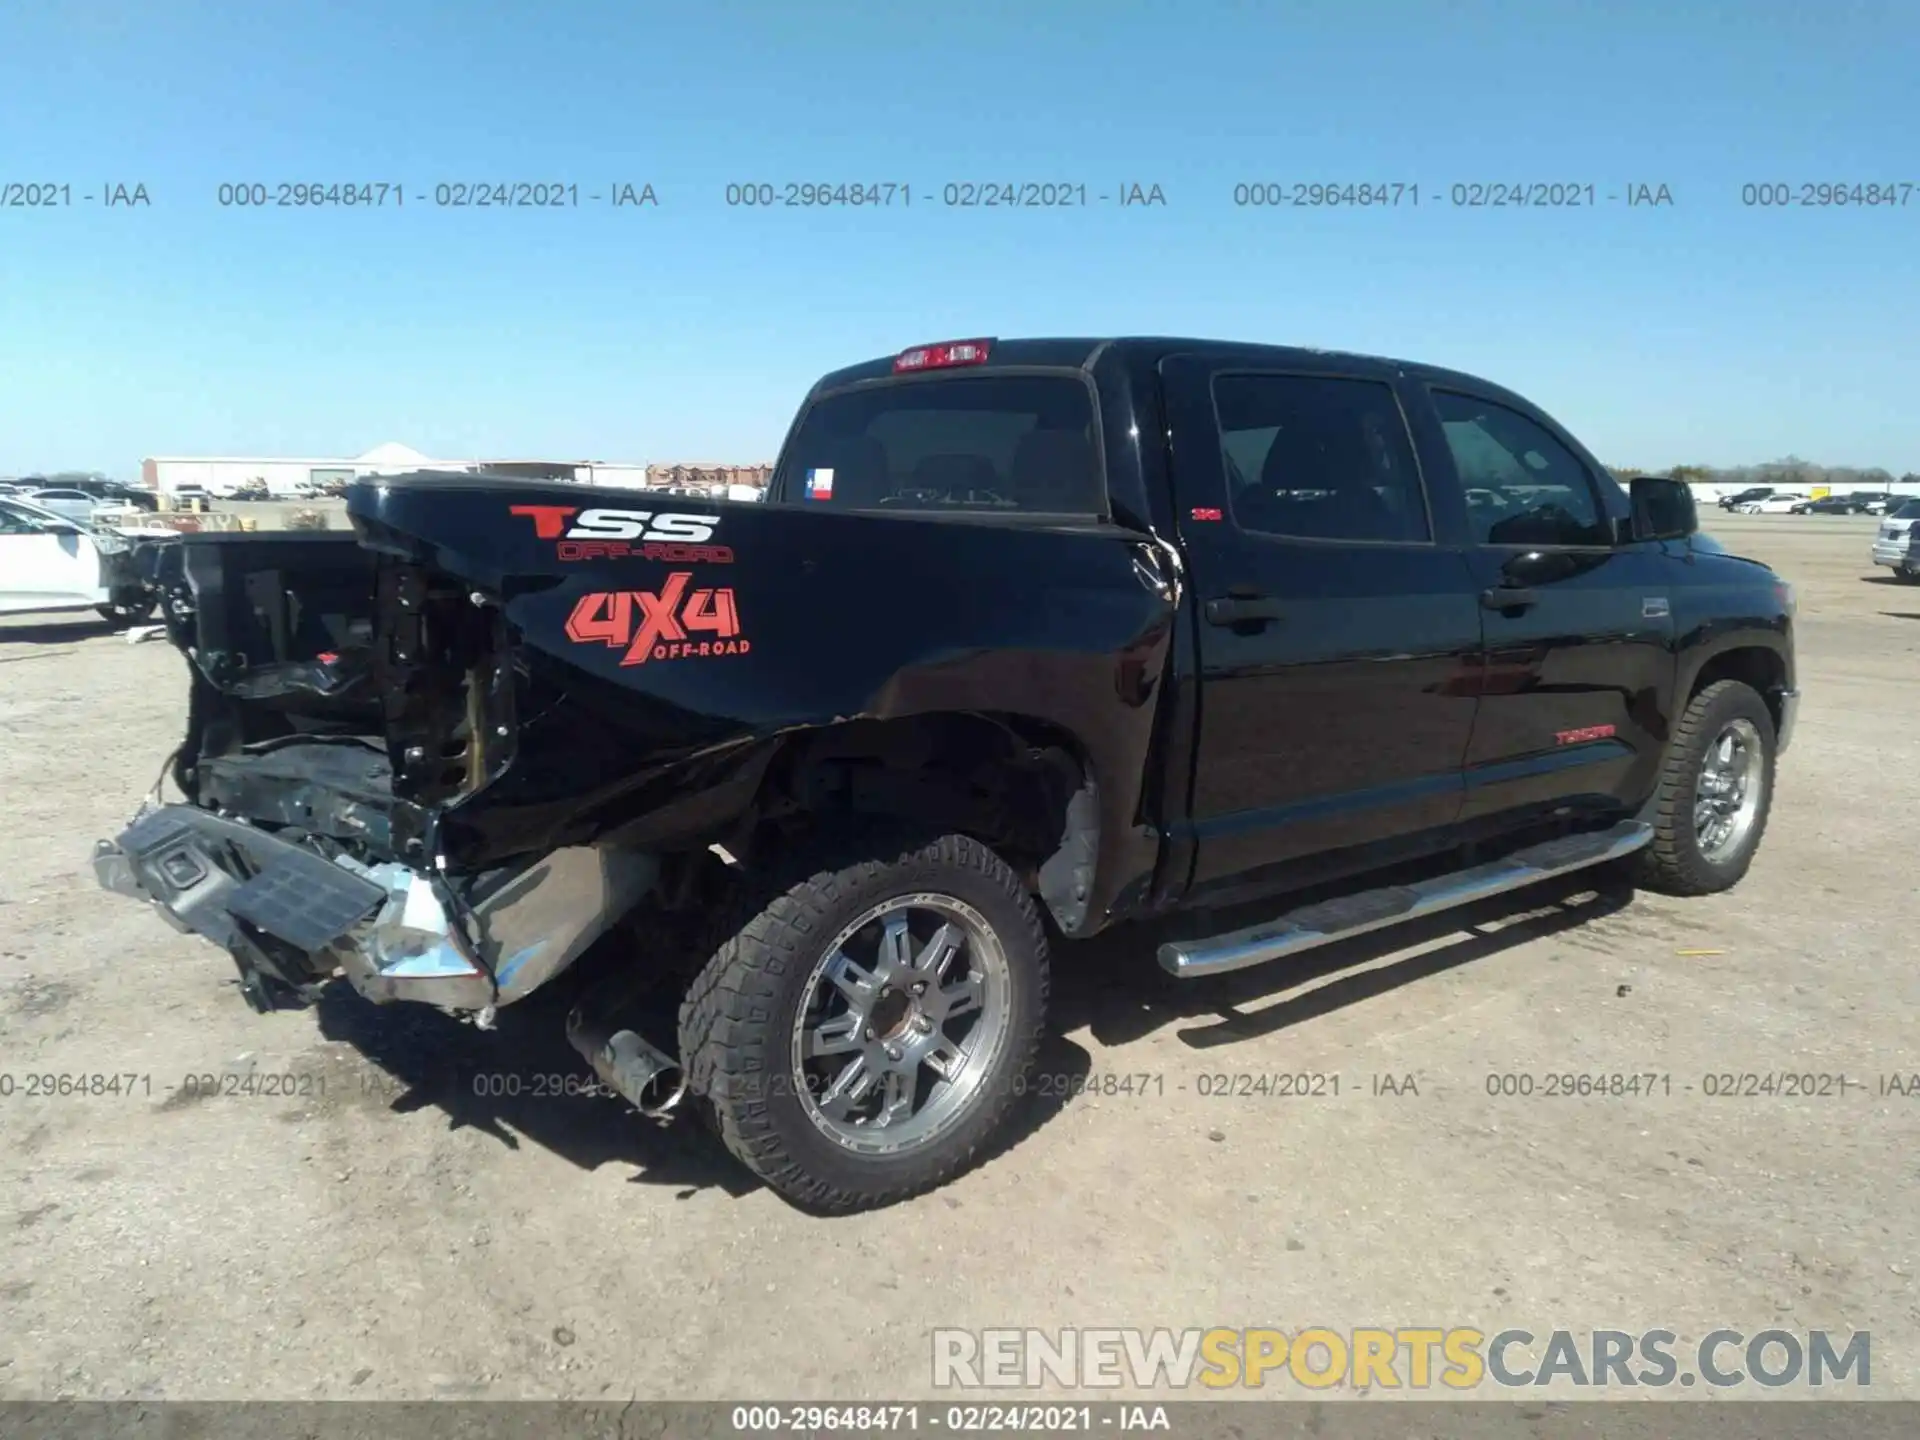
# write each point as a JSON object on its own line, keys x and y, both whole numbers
{"x": 291, "y": 917}
{"x": 1315, "y": 925}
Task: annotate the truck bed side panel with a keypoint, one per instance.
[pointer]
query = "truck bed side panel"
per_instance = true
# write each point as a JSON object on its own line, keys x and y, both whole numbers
{"x": 682, "y": 633}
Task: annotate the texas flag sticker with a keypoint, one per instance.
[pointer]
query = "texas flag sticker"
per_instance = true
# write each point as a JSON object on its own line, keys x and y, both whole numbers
{"x": 819, "y": 484}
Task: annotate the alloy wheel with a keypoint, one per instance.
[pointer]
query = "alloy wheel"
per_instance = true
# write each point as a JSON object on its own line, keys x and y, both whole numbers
{"x": 900, "y": 1023}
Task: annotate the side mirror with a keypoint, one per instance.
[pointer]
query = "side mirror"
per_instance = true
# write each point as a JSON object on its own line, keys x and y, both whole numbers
{"x": 1662, "y": 509}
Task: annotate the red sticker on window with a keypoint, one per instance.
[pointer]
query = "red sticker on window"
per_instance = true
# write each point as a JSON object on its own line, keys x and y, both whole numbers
{"x": 1207, "y": 512}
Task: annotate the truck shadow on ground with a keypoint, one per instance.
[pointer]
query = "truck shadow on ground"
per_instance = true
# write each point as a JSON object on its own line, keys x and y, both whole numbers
{"x": 1113, "y": 985}
{"x": 55, "y": 632}
{"x": 524, "y": 1081}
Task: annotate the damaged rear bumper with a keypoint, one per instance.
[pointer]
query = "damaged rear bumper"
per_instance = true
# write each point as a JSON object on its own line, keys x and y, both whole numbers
{"x": 293, "y": 918}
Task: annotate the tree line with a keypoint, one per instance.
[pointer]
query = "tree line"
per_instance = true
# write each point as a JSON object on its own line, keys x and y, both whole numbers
{"x": 1792, "y": 473}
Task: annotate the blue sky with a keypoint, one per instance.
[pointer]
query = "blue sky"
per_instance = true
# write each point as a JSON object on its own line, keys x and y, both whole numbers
{"x": 1706, "y": 331}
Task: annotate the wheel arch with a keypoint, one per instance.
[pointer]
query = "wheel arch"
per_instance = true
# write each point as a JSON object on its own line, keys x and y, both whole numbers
{"x": 1761, "y": 667}
{"x": 1025, "y": 786}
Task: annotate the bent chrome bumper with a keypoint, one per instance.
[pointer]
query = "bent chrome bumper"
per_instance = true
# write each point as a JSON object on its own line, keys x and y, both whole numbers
{"x": 291, "y": 915}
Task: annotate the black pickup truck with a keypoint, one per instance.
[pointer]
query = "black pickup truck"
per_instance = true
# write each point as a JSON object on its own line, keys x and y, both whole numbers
{"x": 1029, "y": 637}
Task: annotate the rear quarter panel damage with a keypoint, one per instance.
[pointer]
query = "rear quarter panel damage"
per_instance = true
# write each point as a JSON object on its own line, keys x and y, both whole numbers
{"x": 662, "y": 673}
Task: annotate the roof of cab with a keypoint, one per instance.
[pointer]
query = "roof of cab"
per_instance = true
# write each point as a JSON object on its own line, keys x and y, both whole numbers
{"x": 1079, "y": 352}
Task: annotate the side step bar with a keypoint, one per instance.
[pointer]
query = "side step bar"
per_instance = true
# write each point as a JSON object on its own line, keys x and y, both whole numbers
{"x": 1321, "y": 924}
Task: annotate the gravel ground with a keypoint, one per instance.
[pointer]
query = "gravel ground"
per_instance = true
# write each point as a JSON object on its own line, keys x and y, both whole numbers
{"x": 392, "y": 1232}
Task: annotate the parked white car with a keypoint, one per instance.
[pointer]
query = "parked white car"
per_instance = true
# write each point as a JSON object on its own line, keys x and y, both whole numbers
{"x": 73, "y": 504}
{"x": 51, "y": 562}
{"x": 1781, "y": 502}
{"x": 1897, "y": 545}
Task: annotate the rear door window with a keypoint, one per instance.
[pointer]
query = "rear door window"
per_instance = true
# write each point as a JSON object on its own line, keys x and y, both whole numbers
{"x": 985, "y": 444}
{"x": 1319, "y": 457}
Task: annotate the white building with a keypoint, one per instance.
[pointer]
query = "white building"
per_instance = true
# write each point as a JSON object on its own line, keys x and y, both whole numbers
{"x": 222, "y": 474}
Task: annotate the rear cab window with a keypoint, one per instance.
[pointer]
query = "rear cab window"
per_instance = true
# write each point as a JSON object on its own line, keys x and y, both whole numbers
{"x": 1008, "y": 445}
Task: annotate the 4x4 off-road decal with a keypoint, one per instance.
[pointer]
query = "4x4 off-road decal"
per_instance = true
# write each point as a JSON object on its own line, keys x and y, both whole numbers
{"x": 670, "y": 625}
{"x": 607, "y": 534}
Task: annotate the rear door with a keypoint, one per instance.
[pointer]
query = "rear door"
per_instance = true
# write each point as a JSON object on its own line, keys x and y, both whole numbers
{"x": 1338, "y": 643}
{"x": 1580, "y": 659}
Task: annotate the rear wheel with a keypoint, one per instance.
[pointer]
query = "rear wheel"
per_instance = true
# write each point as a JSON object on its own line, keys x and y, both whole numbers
{"x": 865, "y": 1028}
{"x": 1716, "y": 788}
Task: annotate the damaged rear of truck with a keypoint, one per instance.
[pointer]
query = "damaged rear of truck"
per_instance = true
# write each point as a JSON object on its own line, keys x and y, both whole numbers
{"x": 444, "y": 755}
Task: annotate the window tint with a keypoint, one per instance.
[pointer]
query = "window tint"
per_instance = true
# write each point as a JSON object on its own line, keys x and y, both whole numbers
{"x": 1523, "y": 486}
{"x": 1318, "y": 458}
{"x": 978, "y": 443}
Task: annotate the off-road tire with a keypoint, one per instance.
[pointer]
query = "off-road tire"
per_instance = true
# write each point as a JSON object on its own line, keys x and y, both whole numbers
{"x": 737, "y": 1017}
{"x": 1673, "y": 862}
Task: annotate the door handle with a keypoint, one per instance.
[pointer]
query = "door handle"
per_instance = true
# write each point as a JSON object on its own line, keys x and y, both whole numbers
{"x": 1508, "y": 597}
{"x": 1238, "y": 609}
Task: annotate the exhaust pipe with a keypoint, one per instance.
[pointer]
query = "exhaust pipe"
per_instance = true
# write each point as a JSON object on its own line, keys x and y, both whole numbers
{"x": 647, "y": 1077}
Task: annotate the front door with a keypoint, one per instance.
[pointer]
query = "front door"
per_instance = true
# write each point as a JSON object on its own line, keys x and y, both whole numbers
{"x": 1339, "y": 644}
{"x": 1579, "y": 628}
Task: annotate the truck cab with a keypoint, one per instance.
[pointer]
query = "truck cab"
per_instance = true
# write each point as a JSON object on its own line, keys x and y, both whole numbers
{"x": 1417, "y": 613}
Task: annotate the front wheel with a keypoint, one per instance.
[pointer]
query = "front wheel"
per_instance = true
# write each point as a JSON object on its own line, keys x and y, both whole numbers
{"x": 1716, "y": 789}
{"x": 866, "y": 1026}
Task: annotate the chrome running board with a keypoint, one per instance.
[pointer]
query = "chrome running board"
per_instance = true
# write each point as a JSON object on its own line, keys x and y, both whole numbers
{"x": 1315, "y": 925}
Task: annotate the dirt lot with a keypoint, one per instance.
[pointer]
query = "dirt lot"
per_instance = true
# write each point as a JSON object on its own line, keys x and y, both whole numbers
{"x": 394, "y": 1233}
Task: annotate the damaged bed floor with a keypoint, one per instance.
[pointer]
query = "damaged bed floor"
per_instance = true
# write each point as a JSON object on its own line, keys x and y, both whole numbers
{"x": 352, "y": 1202}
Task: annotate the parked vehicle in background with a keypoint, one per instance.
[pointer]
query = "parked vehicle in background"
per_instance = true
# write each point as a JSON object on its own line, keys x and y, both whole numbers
{"x": 1897, "y": 544}
{"x": 1742, "y": 497}
{"x": 136, "y": 496}
{"x": 187, "y": 496}
{"x": 73, "y": 504}
{"x": 114, "y": 492}
{"x": 49, "y": 562}
{"x": 1025, "y": 636}
{"x": 252, "y": 490}
{"x": 1780, "y": 502}
{"x": 1831, "y": 505}
{"x": 1878, "y": 502}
